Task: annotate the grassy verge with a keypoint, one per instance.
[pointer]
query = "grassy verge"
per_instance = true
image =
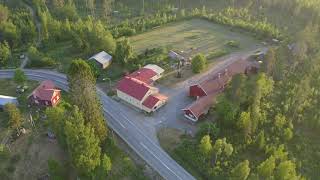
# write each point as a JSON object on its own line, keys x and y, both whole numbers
{"x": 169, "y": 140}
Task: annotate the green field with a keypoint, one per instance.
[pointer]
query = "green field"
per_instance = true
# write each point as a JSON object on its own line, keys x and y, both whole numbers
{"x": 191, "y": 36}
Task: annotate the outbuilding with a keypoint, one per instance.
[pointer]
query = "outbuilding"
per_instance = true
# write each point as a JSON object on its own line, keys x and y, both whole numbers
{"x": 7, "y": 100}
{"x": 103, "y": 59}
{"x": 176, "y": 56}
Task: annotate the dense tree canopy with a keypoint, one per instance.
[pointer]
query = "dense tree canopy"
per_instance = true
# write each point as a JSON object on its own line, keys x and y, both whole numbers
{"x": 83, "y": 94}
{"x": 241, "y": 171}
{"x": 82, "y": 143}
{"x": 4, "y": 53}
{"x": 124, "y": 51}
{"x": 205, "y": 146}
{"x": 267, "y": 167}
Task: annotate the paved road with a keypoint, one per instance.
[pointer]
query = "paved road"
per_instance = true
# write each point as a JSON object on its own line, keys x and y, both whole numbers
{"x": 130, "y": 132}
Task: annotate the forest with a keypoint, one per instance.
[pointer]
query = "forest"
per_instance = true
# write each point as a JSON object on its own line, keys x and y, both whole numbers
{"x": 264, "y": 126}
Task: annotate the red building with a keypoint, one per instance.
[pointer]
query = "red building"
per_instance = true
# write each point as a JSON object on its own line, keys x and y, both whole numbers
{"x": 212, "y": 85}
{"x": 45, "y": 95}
{"x": 136, "y": 89}
{"x": 208, "y": 89}
{"x": 199, "y": 108}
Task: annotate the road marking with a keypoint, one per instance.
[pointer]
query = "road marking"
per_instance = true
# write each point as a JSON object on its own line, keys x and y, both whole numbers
{"x": 114, "y": 118}
{"x": 144, "y": 146}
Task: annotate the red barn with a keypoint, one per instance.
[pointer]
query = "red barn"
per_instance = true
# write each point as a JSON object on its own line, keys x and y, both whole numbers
{"x": 45, "y": 95}
{"x": 207, "y": 90}
{"x": 199, "y": 108}
{"x": 213, "y": 85}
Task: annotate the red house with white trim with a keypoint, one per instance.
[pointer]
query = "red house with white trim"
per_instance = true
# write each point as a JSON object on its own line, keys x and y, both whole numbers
{"x": 45, "y": 95}
{"x": 136, "y": 89}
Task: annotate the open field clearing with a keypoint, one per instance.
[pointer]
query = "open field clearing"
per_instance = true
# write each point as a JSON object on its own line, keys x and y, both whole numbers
{"x": 192, "y": 37}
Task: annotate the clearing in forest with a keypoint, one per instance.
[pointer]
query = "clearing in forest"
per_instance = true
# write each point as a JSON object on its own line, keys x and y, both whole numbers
{"x": 192, "y": 36}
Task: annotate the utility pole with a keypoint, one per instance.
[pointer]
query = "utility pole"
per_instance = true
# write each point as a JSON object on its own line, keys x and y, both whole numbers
{"x": 179, "y": 69}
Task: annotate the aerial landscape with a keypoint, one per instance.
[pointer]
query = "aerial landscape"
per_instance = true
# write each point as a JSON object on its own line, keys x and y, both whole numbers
{"x": 159, "y": 89}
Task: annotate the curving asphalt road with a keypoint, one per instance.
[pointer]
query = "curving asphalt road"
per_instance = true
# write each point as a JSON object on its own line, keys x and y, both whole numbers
{"x": 130, "y": 132}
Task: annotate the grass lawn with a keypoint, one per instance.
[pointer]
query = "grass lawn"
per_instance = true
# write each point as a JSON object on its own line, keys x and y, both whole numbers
{"x": 191, "y": 36}
{"x": 8, "y": 87}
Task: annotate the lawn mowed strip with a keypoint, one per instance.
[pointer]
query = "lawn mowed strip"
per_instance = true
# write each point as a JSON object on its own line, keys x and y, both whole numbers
{"x": 192, "y": 36}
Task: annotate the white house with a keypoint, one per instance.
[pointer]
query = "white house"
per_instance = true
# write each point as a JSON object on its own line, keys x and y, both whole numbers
{"x": 102, "y": 58}
{"x": 136, "y": 89}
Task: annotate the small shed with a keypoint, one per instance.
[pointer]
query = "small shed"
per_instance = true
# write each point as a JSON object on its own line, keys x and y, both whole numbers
{"x": 102, "y": 58}
{"x": 7, "y": 100}
{"x": 176, "y": 56}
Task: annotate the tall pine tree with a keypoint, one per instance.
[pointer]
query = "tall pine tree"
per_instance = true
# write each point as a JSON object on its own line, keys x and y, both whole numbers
{"x": 83, "y": 94}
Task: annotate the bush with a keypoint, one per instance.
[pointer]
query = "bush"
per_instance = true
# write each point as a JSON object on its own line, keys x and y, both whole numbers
{"x": 111, "y": 93}
{"x": 126, "y": 31}
{"x": 198, "y": 63}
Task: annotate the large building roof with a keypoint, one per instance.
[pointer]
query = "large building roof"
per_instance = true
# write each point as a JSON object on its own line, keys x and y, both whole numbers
{"x": 138, "y": 83}
{"x": 152, "y": 100}
{"x": 216, "y": 82}
{"x": 155, "y": 68}
{"x": 102, "y": 57}
{"x": 201, "y": 106}
{"x": 133, "y": 87}
{"x": 45, "y": 90}
{"x": 213, "y": 85}
{"x": 144, "y": 75}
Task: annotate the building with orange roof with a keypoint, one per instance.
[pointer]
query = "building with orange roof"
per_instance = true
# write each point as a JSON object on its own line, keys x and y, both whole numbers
{"x": 45, "y": 94}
